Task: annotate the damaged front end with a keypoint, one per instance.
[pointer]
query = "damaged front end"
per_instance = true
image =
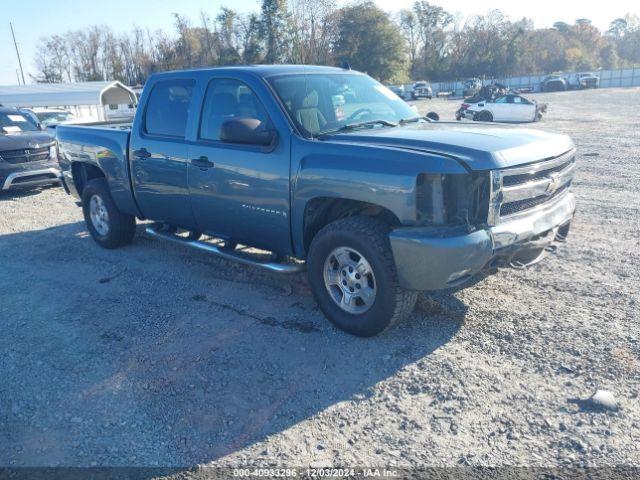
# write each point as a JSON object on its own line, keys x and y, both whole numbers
{"x": 473, "y": 224}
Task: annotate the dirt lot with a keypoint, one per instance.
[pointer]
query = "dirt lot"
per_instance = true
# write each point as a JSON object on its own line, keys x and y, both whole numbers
{"x": 157, "y": 355}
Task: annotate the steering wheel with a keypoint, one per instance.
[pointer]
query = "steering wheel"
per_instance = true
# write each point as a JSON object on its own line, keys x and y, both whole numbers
{"x": 359, "y": 113}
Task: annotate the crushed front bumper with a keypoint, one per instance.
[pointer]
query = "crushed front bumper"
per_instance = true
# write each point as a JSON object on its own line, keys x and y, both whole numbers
{"x": 429, "y": 258}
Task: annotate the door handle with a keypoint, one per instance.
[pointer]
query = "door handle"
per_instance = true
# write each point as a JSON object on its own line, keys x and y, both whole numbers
{"x": 142, "y": 153}
{"x": 202, "y": 162}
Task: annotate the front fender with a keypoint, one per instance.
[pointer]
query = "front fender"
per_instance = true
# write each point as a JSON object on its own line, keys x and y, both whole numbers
{"x": 384, "y": 176}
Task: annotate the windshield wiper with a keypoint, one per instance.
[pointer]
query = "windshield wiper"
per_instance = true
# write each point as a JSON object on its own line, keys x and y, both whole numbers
{"x": 404, "y": 121}
{"x": 353, "y": 126}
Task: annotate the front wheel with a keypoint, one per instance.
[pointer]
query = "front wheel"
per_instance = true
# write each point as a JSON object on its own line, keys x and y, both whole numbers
{"x": 108, "y": 226}
{"x": 353, "y": 277}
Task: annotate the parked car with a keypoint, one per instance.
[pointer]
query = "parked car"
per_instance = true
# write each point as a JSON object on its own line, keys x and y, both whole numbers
{"x": 398, "y": 90}
{"x": 554, "y": 83}
{"x": 27, "y": 154}
{"x": 375, "y": 201}
{"x": 505, "y": 108}
{"x": 581, "y": 81}
{"x": 421, "y": 90}
{"x": 471, "y": 86}
{"x": 53, "y": 117}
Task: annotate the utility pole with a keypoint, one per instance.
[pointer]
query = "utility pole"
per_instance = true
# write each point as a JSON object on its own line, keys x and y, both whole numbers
{"x": 17, "y": 53}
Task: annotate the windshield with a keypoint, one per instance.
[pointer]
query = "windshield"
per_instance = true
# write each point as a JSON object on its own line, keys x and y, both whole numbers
{"x": 324, "y": 103}
{"x": 15, "y": 122}
{"x": 53, "y": 118}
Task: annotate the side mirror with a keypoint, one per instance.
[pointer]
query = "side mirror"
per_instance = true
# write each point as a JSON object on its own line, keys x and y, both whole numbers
{"x": 433, "y": 116}
{"x": 247, "y": 131}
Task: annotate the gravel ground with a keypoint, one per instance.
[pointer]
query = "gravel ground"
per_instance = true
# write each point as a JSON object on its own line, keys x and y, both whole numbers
{"x": 157, "y": 355}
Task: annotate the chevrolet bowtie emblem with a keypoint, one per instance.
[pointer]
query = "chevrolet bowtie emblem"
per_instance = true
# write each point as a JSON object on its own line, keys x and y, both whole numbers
{"x": 554, "y": 183}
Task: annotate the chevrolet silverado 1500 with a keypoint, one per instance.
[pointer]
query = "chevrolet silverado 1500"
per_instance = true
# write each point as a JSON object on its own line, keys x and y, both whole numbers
{"x": 328, "y": 170}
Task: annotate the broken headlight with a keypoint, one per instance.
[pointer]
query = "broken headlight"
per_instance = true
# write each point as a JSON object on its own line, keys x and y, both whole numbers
{"x": 452, "y": 199}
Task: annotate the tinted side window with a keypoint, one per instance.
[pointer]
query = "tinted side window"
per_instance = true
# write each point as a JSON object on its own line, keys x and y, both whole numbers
{"x": 227, "y": 99}
{"x": 168, "y": 108}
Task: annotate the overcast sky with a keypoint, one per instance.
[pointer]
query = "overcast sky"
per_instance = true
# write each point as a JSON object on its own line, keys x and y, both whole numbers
{"x": 33, "y": 19}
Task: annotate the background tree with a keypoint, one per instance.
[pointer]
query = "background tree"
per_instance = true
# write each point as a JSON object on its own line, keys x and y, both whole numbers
{"x": 369, "y": 41}
{"x": 275, "y": 30}
{"x": 313, "y": 29}
{"x": 423, "y": 42}
{"x": 433, "y": 23}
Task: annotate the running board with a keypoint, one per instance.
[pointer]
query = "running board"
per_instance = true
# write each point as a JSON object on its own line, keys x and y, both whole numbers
{"x": 227, "y": 254}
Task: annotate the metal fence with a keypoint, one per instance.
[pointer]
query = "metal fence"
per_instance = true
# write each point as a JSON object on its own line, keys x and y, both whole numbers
{"x": 625, "y": 77}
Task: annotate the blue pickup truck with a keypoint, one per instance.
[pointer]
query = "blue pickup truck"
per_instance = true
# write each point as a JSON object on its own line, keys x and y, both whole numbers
{"x": 325, "y": 169}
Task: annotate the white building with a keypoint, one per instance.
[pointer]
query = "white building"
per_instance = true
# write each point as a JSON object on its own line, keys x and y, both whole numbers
{"x": 88, "y": 101}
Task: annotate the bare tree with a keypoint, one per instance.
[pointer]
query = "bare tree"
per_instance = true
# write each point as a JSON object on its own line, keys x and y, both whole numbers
{"x": 314, "y": 26}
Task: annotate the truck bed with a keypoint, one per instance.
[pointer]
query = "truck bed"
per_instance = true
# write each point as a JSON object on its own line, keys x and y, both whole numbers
{"x": 105, "y": 145}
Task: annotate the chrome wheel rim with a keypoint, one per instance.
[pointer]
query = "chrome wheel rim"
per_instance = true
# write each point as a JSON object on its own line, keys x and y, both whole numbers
{"x": 349, "y": 279}
{"x": 99, "y": 215}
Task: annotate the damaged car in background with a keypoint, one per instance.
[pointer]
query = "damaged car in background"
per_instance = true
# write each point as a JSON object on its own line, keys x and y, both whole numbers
{"x": 554, "y": 83}
{"x": 498, "y": 103}
{"x": 505, "y": 108}
{"x": 375, "y": 201}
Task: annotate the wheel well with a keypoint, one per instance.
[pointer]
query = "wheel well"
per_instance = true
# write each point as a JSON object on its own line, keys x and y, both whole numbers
{"x": 82, "y": 173}
{"x": 324, "y": 210}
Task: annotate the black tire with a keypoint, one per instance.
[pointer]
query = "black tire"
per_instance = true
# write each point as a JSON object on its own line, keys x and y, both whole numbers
{"x": 121, "y": 227}
{"x": 483, "y": 116}
{"x": 370, "y": 237}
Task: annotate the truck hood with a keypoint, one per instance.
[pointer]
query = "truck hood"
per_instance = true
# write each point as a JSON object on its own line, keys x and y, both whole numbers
{"x": 18, "y": 140}
{"x": 478, "y": 146}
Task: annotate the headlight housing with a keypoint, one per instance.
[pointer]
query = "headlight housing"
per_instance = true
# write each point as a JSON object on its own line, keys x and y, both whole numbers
{"x": 452, "y": 199}
{"x": 53, "y": 152}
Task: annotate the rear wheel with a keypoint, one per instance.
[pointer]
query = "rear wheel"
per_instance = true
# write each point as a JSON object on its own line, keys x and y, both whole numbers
{"x": 108, "y": 226}
{"x": 483, "y": 116}
{"x": 353, "y": 277}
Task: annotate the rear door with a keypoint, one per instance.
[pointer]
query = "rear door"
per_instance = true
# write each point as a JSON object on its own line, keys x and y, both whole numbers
{"x": 159, "y": 152}
{"x": 239, "y": 191}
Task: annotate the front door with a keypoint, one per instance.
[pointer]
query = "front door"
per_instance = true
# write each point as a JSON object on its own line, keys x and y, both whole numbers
{"x": 500, "y": 110}
{"x": 525, "y": 110}
{"x": 239, "y": 191}
{"x": 159, "y": 154}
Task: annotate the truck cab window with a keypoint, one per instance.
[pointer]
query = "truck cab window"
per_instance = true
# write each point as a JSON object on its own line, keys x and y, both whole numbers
{"x": 227, "y": 99}
{"x": 168, "y": 108}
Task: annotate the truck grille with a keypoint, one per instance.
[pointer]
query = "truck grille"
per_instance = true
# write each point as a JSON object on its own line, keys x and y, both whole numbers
{"x": 517, "y": 190}
{"x": 519, "y": 205}
{"x": 25, "y": 155}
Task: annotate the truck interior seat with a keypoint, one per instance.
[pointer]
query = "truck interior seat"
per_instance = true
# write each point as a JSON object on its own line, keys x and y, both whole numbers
{"x": 308, "y": 114}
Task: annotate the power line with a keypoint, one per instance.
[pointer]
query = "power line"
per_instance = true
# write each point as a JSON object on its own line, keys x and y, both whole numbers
{"x": 17, "y": 53}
